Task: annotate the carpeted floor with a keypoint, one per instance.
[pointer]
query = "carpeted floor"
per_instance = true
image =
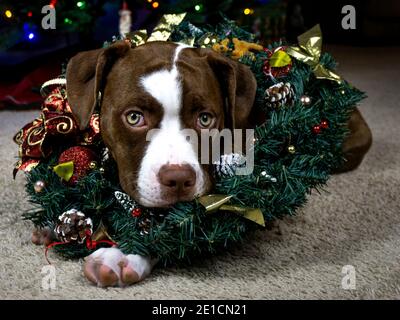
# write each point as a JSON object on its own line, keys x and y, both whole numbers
{"x": 356, "y": 222}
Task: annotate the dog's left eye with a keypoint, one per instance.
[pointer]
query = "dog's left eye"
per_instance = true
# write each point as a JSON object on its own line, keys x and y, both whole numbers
{"x": 205, "y": 120}
{"x": 135, "y": 118}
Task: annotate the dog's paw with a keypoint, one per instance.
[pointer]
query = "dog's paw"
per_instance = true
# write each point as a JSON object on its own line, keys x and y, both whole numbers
{"x": 107, "y": 267}
{"x": 43, "y": 236}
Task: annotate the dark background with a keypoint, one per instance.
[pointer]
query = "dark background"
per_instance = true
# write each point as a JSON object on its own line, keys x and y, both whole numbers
{"x": 26, "y": 63}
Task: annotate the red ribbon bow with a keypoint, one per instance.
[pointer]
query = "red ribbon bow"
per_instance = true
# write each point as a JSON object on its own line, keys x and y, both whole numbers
{"x": 90, "y": 244}
{"x": 37, "y": 138}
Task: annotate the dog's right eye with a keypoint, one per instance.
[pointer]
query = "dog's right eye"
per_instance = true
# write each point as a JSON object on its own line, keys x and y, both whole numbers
{"x": 135, "y": 118}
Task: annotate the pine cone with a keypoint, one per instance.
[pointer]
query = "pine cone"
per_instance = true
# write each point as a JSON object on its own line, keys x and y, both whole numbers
{"x": 145, "y": 226}
{"x": 73, "y": 226}
{"x": 279, "y": 95}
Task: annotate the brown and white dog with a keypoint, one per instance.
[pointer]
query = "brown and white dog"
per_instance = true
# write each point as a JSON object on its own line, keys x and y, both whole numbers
{"x": 164, "y": 86}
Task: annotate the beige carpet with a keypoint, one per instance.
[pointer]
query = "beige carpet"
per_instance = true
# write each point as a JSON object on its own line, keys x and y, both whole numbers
{"x": 356, "y": 222}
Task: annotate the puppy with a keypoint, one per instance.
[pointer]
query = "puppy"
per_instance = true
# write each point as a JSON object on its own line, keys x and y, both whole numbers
{"x": 163, "y": 86}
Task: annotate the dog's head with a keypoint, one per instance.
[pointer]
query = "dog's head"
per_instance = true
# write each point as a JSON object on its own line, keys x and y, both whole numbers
{"x": 164, "y": 86}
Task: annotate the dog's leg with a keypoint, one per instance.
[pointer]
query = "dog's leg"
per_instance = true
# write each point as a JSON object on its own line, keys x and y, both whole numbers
{"x": 357, "y": 143}
{"x": 110, "y": 267}
{"x": 42, "y": 236}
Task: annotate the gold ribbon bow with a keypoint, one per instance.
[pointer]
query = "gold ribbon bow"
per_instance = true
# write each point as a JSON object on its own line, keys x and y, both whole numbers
{"x": 161, "y": 32}
{"x": 309, "y": 52}
{"x": 215, "y": 202}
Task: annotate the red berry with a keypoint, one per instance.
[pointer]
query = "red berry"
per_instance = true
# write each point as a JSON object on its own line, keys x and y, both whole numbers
{"x": 316, "y": 129}
{"x": 136, "y": 212}
{"x": 324, "y": 124}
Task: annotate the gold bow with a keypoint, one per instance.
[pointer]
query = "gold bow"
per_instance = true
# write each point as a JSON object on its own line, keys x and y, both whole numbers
{"x": 309, "y": 52}
{"x": 215, "y": 202}
{"x": 161, "y": 32}
{"x": 101, "y": 233}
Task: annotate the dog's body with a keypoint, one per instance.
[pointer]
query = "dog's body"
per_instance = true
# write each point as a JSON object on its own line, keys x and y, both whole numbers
{"x": 162, "y": 86}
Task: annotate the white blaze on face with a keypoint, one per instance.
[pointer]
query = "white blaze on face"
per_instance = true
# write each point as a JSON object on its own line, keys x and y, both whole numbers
{"x": 169, "y": 144}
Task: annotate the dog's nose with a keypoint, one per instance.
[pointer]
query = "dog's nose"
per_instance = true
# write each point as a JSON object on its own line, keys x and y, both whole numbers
{"x": 177, "y": 179}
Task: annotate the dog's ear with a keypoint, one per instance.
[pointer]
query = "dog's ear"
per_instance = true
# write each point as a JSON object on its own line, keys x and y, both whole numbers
{"x": 239, "y": 88}
{"x": 86, "y": 73}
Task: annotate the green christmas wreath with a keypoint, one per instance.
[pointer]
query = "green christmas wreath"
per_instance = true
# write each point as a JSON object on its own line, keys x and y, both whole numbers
{"x": 306, "y": 108}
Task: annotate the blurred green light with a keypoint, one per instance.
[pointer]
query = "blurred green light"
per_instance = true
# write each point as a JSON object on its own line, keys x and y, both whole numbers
{"x": 67, "y": 21}
{"x": 197, "y": 7}
{"x": 80, "y": 4}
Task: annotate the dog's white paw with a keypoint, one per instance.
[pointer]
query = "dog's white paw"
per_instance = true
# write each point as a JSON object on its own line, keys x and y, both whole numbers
{"x": 107, "y": 267}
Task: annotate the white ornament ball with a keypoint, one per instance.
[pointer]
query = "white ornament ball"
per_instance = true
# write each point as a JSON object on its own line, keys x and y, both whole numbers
{"x": 39, "y": 186}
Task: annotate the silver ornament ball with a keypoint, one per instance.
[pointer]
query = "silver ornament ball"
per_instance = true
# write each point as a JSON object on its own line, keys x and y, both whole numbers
{"x": 39, "y": 186}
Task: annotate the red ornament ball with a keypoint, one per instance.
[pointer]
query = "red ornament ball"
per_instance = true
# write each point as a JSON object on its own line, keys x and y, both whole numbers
{"x": 136, "y": 212}
{"x": 324, "y": 124}
{"x": 316, "y": 129}
{"x": 82, "y": 158}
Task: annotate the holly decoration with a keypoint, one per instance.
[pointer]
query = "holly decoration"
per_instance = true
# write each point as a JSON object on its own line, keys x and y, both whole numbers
{"x": 324, "y": 124}
{"x": 317, "y": 129}
{"x": 136, "y": 212}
